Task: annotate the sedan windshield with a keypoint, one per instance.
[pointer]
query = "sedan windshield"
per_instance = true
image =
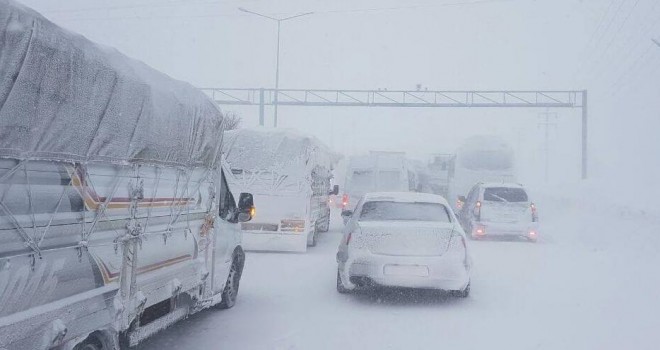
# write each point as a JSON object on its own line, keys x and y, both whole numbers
{"x": 415, "y": 211}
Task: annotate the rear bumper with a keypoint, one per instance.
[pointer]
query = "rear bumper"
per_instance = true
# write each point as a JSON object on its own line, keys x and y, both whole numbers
{"x": 499, "y": 229}
{"x": 275, "y": 241}
{"x": 450, "y": 271}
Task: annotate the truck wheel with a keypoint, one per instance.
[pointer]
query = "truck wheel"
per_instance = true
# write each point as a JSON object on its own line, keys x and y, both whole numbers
{"x": 230, "y": 292}
{"x": 325, "y": 224}
{"x": 340, "y": 285}
{"x": 91, "y": 343}
{"x": 311, "y": 242}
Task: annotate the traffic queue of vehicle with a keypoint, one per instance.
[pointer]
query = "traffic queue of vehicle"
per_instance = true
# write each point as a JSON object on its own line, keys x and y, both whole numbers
{"x": 110, "y": 231}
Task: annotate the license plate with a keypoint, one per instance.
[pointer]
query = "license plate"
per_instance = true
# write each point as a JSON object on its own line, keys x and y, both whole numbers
{"x": 406, "y": 270}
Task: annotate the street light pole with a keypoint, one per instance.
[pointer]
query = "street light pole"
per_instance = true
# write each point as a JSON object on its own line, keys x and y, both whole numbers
{"x": 277, "y": 75}
{"x": 277, "y": 62}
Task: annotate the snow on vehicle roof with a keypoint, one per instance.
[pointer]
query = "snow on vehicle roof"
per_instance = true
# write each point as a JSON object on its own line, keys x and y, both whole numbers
{"x": 405, "y": 197}
{"x": 274, "y": 149}
{"x": 378, "y": 160}
{"x": 65, "y": 98}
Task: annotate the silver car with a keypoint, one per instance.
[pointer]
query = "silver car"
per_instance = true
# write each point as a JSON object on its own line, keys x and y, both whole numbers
{"x": 410, "y": 240}
{"x": 499, "y": 210}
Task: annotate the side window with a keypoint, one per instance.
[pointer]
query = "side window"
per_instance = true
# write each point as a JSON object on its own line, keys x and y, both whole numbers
{"x": 227, "y": 203}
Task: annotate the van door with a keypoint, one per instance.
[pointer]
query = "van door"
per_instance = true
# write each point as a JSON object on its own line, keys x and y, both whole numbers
{"x": 225, "y": 235}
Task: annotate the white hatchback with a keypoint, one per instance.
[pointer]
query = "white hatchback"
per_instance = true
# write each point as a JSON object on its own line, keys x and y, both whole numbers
{"x": 499, "y": 210}
{"x": 410, "y": 240}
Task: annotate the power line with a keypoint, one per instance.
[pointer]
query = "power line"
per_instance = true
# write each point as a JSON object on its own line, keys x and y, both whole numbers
{"x": 632, "y": 71}
{"x": 647, "y": 28}
{"x": 586, "y": 48}
{"x": 600, "y": 23}
{"x": 156, "y": 4}
{"x": 623, "y": 24}
{"x": 594, "y": 67}
{"x": 328, "y": 12}
{"x": 609, "y": 24}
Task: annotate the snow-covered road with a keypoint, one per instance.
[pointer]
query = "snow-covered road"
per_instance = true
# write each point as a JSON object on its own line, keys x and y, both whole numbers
{"x": 591, "y": 282}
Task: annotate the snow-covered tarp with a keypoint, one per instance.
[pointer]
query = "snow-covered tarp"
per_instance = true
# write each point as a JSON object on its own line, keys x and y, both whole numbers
{"x": 65, "y": 98}
{"x": 281, "y": 150}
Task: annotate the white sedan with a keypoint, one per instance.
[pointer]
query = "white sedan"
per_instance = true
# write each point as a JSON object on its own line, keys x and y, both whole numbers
{"x": 410, "y": 240}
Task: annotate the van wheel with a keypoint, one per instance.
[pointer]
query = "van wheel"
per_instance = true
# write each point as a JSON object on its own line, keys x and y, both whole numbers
{"x": 230, "y": 292}
{"x": 340, "y": 285}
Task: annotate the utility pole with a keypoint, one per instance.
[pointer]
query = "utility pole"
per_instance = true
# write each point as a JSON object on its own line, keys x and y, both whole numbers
{"x": 547, "y": 120}
{"x": 277, "y": 61}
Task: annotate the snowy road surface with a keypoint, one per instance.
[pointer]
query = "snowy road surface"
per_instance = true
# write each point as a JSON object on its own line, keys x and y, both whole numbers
{"x": 591, "y": 282}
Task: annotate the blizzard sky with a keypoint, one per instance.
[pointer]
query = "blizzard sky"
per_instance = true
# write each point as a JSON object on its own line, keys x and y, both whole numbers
{"x": 601, "y": 45}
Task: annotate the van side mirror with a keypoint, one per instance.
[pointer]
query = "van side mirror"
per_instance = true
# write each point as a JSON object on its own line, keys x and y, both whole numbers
{"x": 246, "y": 209}
{"x": 335, "y": 190}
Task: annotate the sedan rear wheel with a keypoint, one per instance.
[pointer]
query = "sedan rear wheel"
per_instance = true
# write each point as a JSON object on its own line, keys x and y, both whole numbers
{"x": 340, "y": 285}
{"x": 462, "y": 293}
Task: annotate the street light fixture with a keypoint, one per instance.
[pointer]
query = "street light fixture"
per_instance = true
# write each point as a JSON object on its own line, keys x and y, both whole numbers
{"x": 277, "y": 64}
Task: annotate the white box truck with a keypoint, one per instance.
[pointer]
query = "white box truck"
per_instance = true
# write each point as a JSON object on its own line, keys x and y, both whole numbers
{"x": 290, "y": 175}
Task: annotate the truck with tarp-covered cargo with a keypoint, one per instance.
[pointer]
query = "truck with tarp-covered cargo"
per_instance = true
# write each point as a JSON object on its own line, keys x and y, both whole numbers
{"x": 115, "y": 215}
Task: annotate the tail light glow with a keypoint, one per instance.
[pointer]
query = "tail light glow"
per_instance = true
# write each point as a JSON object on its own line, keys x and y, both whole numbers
{"x": 344, "y": 200}
{"x": 477, "y": 210}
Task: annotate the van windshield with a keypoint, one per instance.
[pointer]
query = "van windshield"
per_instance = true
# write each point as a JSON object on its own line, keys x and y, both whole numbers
{"x": 505, "y": 194}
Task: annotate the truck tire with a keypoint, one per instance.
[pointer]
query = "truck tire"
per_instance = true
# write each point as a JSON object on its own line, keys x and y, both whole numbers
{"x": 311, "y": 242}
{"x": 325, "y": 223}
{"x": 230, "y": 292}
{"x": 91, "y": 343}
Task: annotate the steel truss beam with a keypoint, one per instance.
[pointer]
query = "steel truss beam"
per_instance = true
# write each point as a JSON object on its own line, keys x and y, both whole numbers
{"x": 406, "y": 98}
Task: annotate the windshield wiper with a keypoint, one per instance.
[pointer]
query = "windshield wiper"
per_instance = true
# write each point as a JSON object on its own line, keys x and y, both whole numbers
{"x": 500, "y": 198}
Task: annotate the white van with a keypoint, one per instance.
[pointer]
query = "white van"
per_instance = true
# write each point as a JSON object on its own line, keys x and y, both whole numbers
{"x": 290, "y": 175}
{"x": 376, "y": 172}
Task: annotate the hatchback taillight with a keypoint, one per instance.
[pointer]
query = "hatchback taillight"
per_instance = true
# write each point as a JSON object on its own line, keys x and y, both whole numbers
{"x": 477, "y": 210}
